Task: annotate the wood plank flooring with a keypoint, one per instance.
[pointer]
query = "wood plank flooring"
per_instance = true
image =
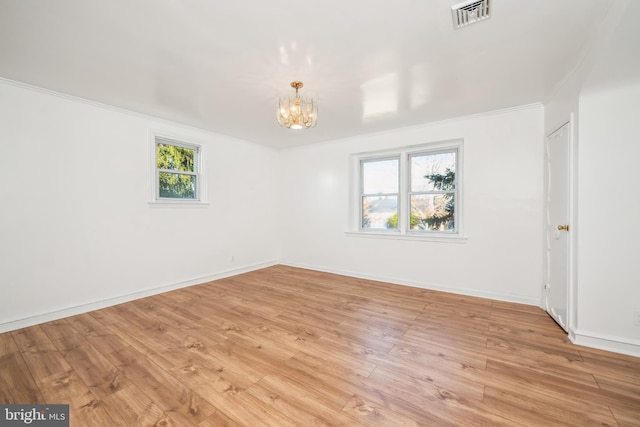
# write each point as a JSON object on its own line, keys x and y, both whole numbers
{"x": 285, "y": 346}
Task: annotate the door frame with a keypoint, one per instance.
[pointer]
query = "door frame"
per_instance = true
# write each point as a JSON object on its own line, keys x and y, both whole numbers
{"x": 572, "y": 285}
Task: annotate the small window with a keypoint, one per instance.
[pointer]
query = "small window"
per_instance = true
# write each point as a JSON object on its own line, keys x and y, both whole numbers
{"x": 177, "y": 171}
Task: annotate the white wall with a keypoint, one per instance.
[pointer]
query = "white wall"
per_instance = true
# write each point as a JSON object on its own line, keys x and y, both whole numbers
{"x": 75, "y": 226}
{"x": 604, "y": 92}
{"x": 609, "y": 212}
{"x": 502, "y": 258}
{"x": 609, "y": 194}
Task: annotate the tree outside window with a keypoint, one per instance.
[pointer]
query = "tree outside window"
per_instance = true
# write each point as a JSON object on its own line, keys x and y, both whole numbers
{"x": 177, "y": 170}
{"x": 432, "y": 191}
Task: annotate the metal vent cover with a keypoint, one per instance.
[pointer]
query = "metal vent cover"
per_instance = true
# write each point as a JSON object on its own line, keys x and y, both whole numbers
{"x": 469, "y": 12}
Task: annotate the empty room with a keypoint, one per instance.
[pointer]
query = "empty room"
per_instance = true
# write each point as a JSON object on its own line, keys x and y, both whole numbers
{"x": 337, "y": 213}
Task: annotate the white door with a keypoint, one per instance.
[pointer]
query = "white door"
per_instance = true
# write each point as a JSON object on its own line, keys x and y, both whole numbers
{"x": 556, "y": 288}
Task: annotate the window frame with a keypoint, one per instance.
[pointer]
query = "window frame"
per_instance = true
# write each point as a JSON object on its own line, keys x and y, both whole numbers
{"x": 410, "y": 193}
{"x": 363, "y": 194}
{"x": 403, "y": 231}
{"x": 199, "y": 171}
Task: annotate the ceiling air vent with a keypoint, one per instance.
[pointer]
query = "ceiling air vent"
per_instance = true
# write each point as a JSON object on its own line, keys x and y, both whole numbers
{"x": 469, "y": 12}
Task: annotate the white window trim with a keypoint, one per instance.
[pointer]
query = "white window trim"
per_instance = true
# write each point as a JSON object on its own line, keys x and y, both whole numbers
{"x": 201, "y": 180}
{"x": 363, "y": 160}
{"x": 403, "y": 233}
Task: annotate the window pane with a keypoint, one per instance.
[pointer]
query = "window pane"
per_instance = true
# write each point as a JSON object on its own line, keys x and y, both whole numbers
{"x": 435, "y": 212}
{"x": 176, "y": 158}
{"x": 380, "y": 212}
{"x": 433, "y": 172}
{"x": 177, "y": 186}
{"x": 380, "y": 176}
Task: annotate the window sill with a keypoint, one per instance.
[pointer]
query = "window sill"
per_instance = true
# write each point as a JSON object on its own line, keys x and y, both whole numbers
{"x": 443, "y": 238}
{"x": 177, "y": 204}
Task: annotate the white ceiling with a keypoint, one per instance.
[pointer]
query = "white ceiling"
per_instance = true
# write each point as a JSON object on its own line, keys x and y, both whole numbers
{"x": 373, "y": 65}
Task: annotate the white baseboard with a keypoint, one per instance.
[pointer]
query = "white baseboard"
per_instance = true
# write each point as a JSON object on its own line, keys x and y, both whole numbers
{"x": 605, "y": 342}
{"x": 432, "y": 286}
{"x": 96, "y": 305}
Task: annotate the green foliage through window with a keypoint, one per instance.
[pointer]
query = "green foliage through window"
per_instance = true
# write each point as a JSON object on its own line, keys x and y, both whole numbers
{"x": 433, "y": 189}
{"x": 443, "y": 182}
{"x": 441, "y": 216}
{"x": 392, "y": 222}
{"x": 177, "y": 171}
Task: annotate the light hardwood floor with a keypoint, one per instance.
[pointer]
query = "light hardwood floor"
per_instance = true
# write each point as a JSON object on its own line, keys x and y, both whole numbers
{"x": 286, "y": 346}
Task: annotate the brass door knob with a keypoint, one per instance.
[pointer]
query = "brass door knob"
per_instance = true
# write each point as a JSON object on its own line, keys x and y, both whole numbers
{"x": 563, "y": 227}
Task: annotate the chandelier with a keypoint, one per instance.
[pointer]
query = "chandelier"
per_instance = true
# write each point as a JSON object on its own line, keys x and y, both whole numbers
{"x": 297, "y": 112}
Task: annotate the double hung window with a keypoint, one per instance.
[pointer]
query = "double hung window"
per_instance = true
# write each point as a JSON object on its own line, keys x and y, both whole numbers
{"x": 177, "y": 172}
{"x": 380, "y": 183}
{"x": 432, "y": 191}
